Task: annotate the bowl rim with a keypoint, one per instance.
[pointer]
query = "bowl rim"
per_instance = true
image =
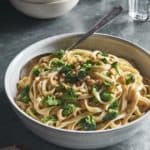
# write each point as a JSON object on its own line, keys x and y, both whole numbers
{"x": 61, "y": 36}
{"x": 43, "y": 3}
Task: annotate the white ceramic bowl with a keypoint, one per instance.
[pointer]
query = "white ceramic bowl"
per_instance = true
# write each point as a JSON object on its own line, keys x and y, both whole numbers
{"x": 45, "y": 9}
{"x": 41, "y": 1}
{"x": 68, "y": 138}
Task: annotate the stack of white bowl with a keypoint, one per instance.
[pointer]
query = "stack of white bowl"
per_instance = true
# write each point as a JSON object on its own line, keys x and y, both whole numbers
{"x": 44, "y": 9}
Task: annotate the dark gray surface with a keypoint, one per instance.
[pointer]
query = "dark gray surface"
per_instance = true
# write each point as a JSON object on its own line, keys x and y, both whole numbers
{"x": 18, "y": 31}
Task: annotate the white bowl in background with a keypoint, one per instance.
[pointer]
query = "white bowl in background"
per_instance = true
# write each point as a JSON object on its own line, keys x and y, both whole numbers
{"x": 42, "y": 1}
{"x": 69, "y": 138}
{"x": 45, "y": 10}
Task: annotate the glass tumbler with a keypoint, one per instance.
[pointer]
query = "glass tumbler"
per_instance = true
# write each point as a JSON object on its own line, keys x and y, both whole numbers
{"x": 139, "y": 9}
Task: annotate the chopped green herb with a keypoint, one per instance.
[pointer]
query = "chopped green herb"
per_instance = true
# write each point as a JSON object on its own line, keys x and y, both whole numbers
{"x": 97, "y": 63}
{"x": 108, "y": 74}
{"x": 115, "y": 66}
{"x": 111, "y": 114}
{"x": 82, "y": 73}
{"x": 106, "y": 96}
{"x": 36, "y": 71}
{"x": 66, "y": 68}
{"x": 24, "y": 95}
{"x": 69, "y": 96}
{"x": 88, "y": 123}
{"x": 50, "y": 101}
{"x": 60, "y": 88}
{"x": 148, "y": 96}
{"x": 96, "y": 86}
{"x": 71, "y": 78}
{"x": 84, "y": 70}
{"x": 114, "y": 105}
{"x": 68, "y": 109}
{"x": 49, "y": 118}
{"x": 59, "y": 54}
{"x": 74, "y": 77}
{"x": 47, "y": 69}
{"x": 104, "y": 60}
{"x": 53, "y": 117}
{"x": 130, "y": 78}
{"x": 103, "y": 53}
{"x": 45, "y": 119}
{"x": 107, "y": 84}
{"x": 57, "y": 65}
{"x": 87, "y": 65}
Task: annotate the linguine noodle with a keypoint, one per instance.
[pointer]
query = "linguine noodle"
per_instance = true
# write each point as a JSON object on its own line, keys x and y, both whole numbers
{"x": 83, "y": 90}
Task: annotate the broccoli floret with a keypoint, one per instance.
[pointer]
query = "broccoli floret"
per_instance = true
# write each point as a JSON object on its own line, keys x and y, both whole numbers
{"x": 115, "y": 66}
{"x": 111, "y": 114}
{"x": 50, "y": 101}
{"x": 106, "y": 96}
{"x": 114, "y": 105}
{"x": 52, "y": 118}
{"x": 24, "y": 95}
{"x": 68, "y": 109}
{"x": 69, "y": 96}
{"x": 130, "y": 78}
{"x": 59, "y": 53}
{"x": 103, "y": 53}
{"x": 88, "y": 123}
{"x": 36, "y": 71}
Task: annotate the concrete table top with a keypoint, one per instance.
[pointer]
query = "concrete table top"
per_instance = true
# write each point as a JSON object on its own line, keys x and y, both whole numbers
{"x": 18, "y": 31}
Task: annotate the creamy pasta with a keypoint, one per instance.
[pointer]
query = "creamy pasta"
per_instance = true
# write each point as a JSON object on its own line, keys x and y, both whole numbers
{"x": 83, "y": 90}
